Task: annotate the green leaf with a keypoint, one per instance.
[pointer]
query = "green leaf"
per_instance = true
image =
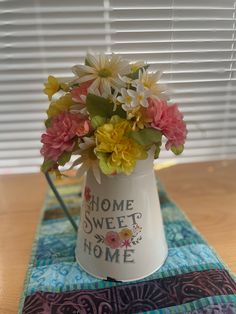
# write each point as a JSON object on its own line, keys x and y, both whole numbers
{"x": 146, "y": 66}
{"x": 135, "y": 75}
{"x": 120, "y": 112}
{"x": 146, "y": 137}
{"x": 104, "y": 165}
{"x": 48, "y": 122}
{"x": 64, "y": 158}
{"x": 157, "y": 150}
{"x": 47, "y": 165}
{"x": 99, "y": 106}
{"x": 102, "y": 107}
{"x": 98, "y": 121}
{"x": 177, "y": 150}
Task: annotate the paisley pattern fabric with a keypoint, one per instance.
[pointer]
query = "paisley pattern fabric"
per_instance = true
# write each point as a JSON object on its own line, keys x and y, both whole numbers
{"x": 193, "y": 280}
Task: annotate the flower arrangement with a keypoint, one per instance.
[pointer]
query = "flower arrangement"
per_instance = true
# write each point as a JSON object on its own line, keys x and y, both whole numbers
{"x": 109, "y": 115}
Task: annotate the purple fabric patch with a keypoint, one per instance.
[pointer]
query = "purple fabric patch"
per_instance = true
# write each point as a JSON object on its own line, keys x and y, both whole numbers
{"x": 134, "y": 298}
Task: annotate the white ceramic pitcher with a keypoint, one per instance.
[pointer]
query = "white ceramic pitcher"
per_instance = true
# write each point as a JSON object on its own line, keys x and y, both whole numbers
{"x": 121, "y": 235}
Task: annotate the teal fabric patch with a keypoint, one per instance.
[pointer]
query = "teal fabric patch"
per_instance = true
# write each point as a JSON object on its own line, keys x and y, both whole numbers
{"x": 66, "y": 270}
{"x": 53, "y": 267}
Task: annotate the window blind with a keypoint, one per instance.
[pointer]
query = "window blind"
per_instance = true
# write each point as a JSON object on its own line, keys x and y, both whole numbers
{"x": 193, "y": 43}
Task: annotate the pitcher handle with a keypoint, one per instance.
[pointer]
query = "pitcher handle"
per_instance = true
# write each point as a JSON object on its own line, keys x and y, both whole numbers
{"x": 60, "y": 201}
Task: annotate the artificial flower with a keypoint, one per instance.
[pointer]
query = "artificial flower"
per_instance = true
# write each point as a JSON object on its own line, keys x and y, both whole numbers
{"x": 112, "y": 239}
{"x": 138, "y": 97}
{"x": 135, "y": 66}
{"x": 103, "y": 70}
{"x": 117, "y": 152}
{"x": 149, "y": 81}
{"x": 79, "y": 93}
{"x": 138, "y": 118}
{"x": 125, "y": 99}
{"x": 169, "y": 120}
{"x": 51, "y": 87}
{"x": 125, "y": 234}
{"x": 87, "y": 160}
{"x": 109, "y": 115}
{"x": 60, "y": 136}
{"x": 63, "y": 104}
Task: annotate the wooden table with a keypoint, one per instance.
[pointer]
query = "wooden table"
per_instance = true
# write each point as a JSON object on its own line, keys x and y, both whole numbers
{"x": 205, "y": 191}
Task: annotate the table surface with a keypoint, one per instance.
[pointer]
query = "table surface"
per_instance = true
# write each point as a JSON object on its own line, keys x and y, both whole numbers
{"x": 205, "y": 191}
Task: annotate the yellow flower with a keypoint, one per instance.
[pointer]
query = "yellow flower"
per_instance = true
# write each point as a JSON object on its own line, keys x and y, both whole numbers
{"x": 51, "y": 87}
{"x": 117, "y": 152}
{"x": 62, "y": 104}
{"x": 138, "y": 118}
{"x": 125, "y": 234}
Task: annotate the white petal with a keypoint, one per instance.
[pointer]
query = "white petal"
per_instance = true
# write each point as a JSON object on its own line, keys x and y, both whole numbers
{"x": 96, "y": 172}
{"x": 158, "y": 75}
{"x": 105, "y": 86}
{"x": 102, "y": 61}
{"x": 82, "y": 169}
{"x": 82, "y": 70}
{"x": 125, "y": 107}
{"x": 131, "y": 93}
{"x": 95, "y": 85}
{"x": 86, "y": 78}
{"x": 120, "y": 99}
{"x": 77, "y": 162}
{"x": 92, "y": 61}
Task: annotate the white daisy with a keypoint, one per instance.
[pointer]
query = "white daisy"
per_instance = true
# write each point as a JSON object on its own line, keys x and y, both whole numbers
{"x": 149, "y": 81}
{"x": 88, "y": 159}
{"x": 103, "y": 70}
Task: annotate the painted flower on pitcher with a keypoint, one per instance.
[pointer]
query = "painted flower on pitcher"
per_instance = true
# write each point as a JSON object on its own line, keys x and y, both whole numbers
{"x": 112, "y": 239}
{"x": 87, "y": 194}
{"x": 125, "y": 234}
{"x": 136, "y": 229}
{"x": 126, "y": 243}
{"x": 126, "y": 237}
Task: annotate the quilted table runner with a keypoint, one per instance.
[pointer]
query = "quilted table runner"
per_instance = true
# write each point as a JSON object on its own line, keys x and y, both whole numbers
{"x": 192, "y": 280}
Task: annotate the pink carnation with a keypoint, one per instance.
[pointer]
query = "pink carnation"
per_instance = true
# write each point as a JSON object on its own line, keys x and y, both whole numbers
{"x": 79, "y": 91}
{"x": 60, "y": 136}
{"x": 169, "y": 120}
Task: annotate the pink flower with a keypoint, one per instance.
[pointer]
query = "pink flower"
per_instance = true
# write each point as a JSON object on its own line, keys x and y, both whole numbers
{"x": 112, "y": 239}
{"x": 87, "y": 194}
{"x": 126, "y": 243}
{"x": 169, "y": 120}
{"x": 79, "y": 91}
{"x": 60, "y": 136}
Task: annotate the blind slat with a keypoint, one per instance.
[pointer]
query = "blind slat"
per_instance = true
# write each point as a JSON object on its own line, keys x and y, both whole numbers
{"x": 193, "y": 43}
